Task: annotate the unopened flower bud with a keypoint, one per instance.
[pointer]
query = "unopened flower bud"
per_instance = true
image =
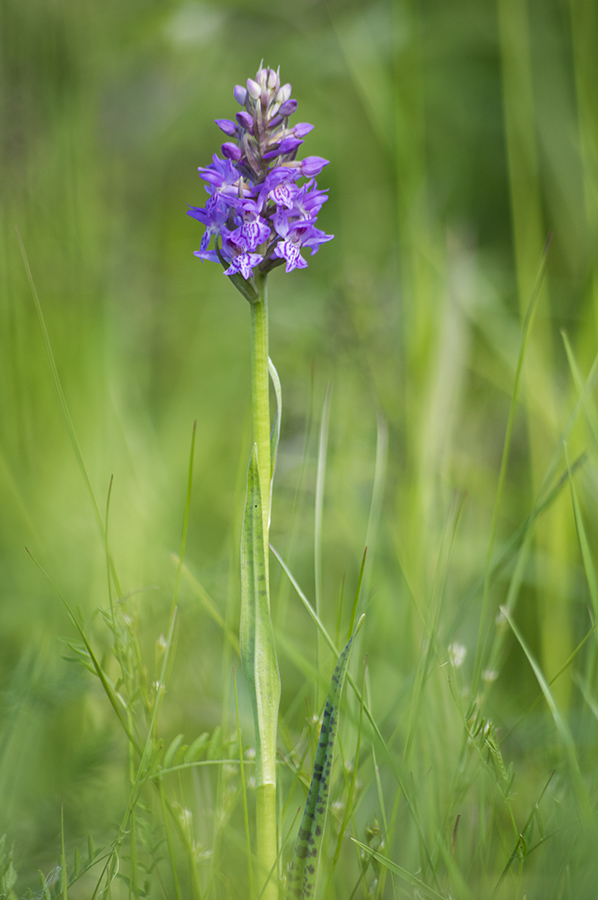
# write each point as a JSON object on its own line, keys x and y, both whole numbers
{"x": 231, "y": 151}
{"x": 313, "y": 165}
{"x": 301, "y": 129}
{"x": 288, "y": 108}
{"x": 288, "y": 145}
{"x": 253, "y": 89}
{"x": 240, "y": 94}
{"x": 284, "y": 93}
{"x": 262, "y": 78}
{"x": 245, "y": 120}
{"x": 226, "y": 126}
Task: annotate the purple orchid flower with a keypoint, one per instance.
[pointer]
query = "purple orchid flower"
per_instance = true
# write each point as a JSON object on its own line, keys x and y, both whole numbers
{"x": 259, "y": 212}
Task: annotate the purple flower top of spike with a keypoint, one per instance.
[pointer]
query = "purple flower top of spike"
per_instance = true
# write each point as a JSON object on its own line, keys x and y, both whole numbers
{"x": 260, "y": 211}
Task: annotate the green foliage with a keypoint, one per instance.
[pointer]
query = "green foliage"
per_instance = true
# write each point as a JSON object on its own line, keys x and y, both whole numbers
{"x": 8, "y": 875}
{"x": 459, "y": 135}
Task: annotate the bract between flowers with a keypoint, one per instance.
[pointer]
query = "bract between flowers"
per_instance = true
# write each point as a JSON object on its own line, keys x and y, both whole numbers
{"x": 260, "y": 212}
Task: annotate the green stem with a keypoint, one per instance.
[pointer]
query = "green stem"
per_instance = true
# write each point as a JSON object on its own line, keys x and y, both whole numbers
{"x": 267, "y": 848}
{"x": 260, "y": 399}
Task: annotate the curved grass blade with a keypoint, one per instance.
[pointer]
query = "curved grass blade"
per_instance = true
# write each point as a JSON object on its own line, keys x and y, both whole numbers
{"x": 424, "y": 890}
{"x": 302, "y": 878}
{"x": 567, "y": 739}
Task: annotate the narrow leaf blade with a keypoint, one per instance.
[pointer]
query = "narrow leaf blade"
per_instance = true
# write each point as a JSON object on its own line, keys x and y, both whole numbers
{"x": 275, "y": 436}
{"x": 258, "y": 654}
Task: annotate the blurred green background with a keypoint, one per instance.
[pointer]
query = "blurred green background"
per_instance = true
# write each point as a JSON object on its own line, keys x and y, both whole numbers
{"x": 460, "y": 134}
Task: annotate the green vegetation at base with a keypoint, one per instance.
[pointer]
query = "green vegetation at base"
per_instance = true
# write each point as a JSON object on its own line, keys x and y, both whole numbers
{"x": 460, "y": 135}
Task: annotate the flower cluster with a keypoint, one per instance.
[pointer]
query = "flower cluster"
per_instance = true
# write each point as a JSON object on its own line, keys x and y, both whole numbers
{"x": 259, "y": 212}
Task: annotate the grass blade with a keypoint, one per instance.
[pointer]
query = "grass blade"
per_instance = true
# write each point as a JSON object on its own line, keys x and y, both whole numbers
{"x": 423, "y": 889}
{"x": 584, "y": 545}
{"x": 318, "y": 517}
{"x": 485, "y": 610}
{"x": 561, "y": 726}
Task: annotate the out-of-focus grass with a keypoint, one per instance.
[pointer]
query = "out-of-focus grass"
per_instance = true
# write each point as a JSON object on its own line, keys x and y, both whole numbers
{"x": 459, "y": 135}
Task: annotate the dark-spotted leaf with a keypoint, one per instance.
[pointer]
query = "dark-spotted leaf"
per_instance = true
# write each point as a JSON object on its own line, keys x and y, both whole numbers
{"x": 304, "y": 867}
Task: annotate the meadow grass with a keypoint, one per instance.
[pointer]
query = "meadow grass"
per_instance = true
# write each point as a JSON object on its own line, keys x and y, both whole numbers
{"x": 438, "y": 363}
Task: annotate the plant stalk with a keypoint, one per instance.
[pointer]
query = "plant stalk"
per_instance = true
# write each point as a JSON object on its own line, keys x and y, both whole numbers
{"x": 260, "y": 400}
{"x": 267, "y": 846}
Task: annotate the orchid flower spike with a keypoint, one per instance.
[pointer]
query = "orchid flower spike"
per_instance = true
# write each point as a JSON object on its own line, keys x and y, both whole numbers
{"x": 261, "y": 212}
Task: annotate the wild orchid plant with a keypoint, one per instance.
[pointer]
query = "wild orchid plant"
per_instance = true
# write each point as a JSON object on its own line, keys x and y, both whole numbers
{"x": 261, "y": 212}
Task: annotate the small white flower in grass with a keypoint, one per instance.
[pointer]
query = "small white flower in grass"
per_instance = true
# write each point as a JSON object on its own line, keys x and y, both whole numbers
{"x": 489, "y": 675}
{"x": 457, "y": 653}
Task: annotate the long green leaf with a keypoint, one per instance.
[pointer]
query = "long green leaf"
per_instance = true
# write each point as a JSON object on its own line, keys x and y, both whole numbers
{"x": 258, "y": 654}
{"x": 302, "y": 878}
{"x": 275, "y": 435}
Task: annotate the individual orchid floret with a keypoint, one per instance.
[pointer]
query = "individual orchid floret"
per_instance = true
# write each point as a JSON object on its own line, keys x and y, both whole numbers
{"x": 253, "y": 230}
{"x": 260, "y": 212}
{"x": 295, "y": 235}
{"x": 236, "y": 250}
